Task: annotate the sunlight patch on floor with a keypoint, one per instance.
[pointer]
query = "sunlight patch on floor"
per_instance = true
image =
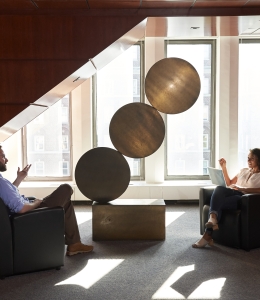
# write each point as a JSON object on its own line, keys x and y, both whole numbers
{"x": 93, "y": 272}
{"x": 166, "y": 291}
{"x": 83, "y": 217}
{"x": 209, "y": 289}
{"x": 171, "y": 216}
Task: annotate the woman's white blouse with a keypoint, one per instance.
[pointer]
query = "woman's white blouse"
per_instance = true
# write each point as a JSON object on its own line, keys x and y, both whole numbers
{"x": 252, "y": 182}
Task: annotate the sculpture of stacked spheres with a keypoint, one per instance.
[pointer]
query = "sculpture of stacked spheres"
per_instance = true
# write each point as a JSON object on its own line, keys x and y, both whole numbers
{"x": 137, "y": 130}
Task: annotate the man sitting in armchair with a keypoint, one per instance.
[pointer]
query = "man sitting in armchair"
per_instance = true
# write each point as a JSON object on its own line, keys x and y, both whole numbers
{"x": 60, "y": 197}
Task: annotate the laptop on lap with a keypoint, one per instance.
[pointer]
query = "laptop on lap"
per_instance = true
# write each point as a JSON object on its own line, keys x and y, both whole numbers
{"x": 217, "y": 177}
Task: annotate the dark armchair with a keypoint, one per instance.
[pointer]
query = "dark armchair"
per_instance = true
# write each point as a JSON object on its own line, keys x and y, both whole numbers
{"x": 31, "y": 241}
{"x": 238, "y": 229}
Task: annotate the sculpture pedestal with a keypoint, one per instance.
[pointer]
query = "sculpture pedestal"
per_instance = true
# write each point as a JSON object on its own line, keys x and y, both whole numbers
{"x": 129, "y": 219}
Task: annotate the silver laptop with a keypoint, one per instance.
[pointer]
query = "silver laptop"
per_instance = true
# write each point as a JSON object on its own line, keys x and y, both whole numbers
{"x": 217, "y": 177}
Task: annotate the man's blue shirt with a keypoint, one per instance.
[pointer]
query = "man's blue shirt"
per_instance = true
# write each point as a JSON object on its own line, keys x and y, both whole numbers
{"x": 11, "y": 196}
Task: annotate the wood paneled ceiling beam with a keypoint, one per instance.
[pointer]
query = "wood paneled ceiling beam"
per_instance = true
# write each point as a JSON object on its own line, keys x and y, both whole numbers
{"x": 148, "y": 12}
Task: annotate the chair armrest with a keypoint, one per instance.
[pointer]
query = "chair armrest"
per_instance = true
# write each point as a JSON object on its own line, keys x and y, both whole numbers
{"x": 204, "y": 199}
{"x": 205, "y": 195}
{"x": 35, "y": 212}
{"x": 31, "y": 199}
{"x": 40, "y": 218}
{"x": 6, "y": 243}
{"x": 38, "y": 239}
{"x": 250, "y": 221}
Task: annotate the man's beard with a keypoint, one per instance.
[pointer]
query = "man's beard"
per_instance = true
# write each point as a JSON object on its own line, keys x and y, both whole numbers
{"x": 2, "y": 167}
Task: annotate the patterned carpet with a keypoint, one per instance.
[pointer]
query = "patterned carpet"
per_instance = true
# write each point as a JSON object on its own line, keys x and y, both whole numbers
{"x": 142, "y": 270}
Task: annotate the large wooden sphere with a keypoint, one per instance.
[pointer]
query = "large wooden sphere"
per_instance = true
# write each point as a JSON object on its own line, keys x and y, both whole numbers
{"x": 102, "y": 174}
{"x": 137, "y": 130}
{"x": 172, "y": 85}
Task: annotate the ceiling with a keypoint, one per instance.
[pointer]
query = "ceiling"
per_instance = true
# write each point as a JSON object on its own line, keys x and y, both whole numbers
{"x": 36, "y": 5}
{"x": 203, "y": 27}
{"x": 104, "y": 4}
{"x": 166, "y": 18}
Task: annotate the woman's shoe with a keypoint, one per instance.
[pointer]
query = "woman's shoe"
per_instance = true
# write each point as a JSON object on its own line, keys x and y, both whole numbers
{"x": 203, "y": 243}
{"x": 212, "y": 223}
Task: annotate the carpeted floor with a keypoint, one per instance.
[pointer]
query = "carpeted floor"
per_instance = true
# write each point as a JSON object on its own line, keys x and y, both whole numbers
{"x": 142, "y": 270}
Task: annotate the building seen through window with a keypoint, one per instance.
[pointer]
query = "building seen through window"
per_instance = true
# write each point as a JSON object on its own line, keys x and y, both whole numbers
{"x": 189, "y": 134}
{"x": 47, "y": 142}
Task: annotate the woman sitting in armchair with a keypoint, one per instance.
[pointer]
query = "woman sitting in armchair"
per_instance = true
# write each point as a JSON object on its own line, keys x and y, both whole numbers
{"x": 247, "y": 181}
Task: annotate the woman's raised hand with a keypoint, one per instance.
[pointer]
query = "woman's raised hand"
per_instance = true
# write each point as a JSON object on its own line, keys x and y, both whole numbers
{"x": 222, "y": 162}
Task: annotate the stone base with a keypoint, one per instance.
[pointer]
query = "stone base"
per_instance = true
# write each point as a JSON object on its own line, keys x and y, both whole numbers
{"x": 129, "y": 219}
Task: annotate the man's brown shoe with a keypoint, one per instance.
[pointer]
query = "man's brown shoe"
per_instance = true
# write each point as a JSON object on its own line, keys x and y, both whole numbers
{"x": 78, "y": 248}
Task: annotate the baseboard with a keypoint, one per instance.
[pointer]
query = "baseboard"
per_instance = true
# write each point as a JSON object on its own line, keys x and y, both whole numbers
{"x": 167, "y": 202}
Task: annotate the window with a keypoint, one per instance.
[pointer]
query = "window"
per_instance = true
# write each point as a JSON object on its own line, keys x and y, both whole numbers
{"x": 46, "y": 143}
{"x": 188, "y": 134}
{"x": 205, "y": 141}
{"x": 135, "y": 85}
{"x": 64, "y": 168}
{"x": 179, "y": 165}
{"x": 206, "y": 87}
{"x": 116, "y": 85}
{"x": 205, "y": 167}
{"x": 39, "y": 168}
{"x": 206, "y": 112}
{"x": 248, "y": 99}
{"x": 64, "y": 143}
{"x": 39, "y": 143}
{"x": 205, "y": 164}
{"x": 179, "y": 142}
{"x": 63, "y": 114}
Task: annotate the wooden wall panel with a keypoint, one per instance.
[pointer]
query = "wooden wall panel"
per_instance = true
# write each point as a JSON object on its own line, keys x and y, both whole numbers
{"x": 16, "y": 4}
{"x": 114, "y": 4}
{"x": 29, "y": 80}
{"x": 67, "y": 4}
{"x": 10, "y": 111}
{"x": 61, "y": 37}
{"x": 37, "y": 52}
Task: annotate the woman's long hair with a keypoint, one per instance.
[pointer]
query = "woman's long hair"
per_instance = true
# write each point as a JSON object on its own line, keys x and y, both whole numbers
{"x": 256, "y": 153}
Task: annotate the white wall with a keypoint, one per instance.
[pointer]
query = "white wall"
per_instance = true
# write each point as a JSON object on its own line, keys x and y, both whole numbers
{"x": 154, "y": 164}
{"x": 154, "y": 186}
{"x": 227, "y": 102}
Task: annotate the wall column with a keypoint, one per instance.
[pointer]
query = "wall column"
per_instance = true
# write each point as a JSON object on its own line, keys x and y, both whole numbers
{"x": 154, "y": 164}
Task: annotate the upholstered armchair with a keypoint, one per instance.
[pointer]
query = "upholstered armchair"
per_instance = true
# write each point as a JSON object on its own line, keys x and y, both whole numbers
{"x": 31, "y": 241}
{"x": 240, "y": 228}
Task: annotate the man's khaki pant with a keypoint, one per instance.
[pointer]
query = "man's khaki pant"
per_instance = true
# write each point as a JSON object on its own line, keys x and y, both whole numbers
{"x": 62, "y": 197}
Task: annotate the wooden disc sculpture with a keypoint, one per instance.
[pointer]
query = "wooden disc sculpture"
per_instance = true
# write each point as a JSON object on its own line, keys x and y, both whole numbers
{"x": 172, "y": 85}
{"x": 137, "y": 130}
{"x": 102, "y": 174}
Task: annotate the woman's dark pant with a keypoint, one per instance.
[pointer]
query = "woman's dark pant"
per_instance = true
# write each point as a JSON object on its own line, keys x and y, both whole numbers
{"x": 223, "y": 198}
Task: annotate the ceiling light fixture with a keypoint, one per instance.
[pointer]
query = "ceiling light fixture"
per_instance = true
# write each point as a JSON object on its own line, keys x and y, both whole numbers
{"x": 76, "y": 79}
{"x": 38, "y": 104}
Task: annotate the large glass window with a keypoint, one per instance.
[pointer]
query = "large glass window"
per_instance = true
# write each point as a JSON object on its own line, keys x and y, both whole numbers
{"x": 248, "y": 99}
{"x": 117, "y": 84}
{"x": 46, "y": 143}
{"x": 189, "y": 135}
